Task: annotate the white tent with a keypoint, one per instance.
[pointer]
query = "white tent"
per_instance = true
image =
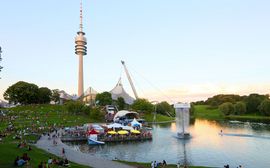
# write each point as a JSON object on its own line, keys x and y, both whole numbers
{"x": 135, "y": 123}
{"x": 123, "y": 113}
{"x": 115, "y": 125}
{"x": 119, "y": 91}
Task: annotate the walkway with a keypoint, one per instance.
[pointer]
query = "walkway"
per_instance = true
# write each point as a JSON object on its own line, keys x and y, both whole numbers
{"x": 76, "y": 156}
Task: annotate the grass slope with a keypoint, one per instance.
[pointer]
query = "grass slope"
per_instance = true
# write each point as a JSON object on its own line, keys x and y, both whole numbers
{"x": 206, "y": 112}
{"x": 9, "y": 151}
{"x": 34, "y": 116}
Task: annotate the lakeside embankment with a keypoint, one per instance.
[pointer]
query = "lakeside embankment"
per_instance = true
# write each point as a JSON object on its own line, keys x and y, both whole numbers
{"x": 207, "y": 112}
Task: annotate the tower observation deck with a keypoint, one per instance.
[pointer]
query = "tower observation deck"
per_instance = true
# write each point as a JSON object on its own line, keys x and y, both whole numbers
{"x": 80, "y": 50}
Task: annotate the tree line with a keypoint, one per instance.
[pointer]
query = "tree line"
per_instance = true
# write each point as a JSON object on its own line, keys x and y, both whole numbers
{"x": 139, "y": 105}
{"x": 28, "y": 93}
{"x": 238, "y": 105}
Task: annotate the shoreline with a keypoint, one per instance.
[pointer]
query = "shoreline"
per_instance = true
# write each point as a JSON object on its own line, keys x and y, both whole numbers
{"x": 76, "y": 156}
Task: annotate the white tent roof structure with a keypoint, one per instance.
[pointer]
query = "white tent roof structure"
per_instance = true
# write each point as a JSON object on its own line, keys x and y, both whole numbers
{"x": 118, "y": 91}
{"x": 64, "y": 95}
{"x": 3, "y": 103}
{"x": 90, "y": 91}
{"x": 122, "y": 113}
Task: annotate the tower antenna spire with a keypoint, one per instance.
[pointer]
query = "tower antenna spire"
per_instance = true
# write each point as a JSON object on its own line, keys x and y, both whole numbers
{"x": 81, "y": 17}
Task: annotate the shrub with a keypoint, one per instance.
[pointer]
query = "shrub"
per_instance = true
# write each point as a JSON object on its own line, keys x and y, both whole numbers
{"x": 264, "y": 107}
{"x": 76, "y": 107}
{"x": 240, "y": 108}
{"x": 97, "y": 114}
{"x": 226, "y": 108}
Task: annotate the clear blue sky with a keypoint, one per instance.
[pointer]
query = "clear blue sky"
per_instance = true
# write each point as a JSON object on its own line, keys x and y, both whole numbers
{"x": 188, "y": 49}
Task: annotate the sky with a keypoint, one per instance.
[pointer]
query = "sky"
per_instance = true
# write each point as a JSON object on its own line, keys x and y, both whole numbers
{"x": 175, "y": 50}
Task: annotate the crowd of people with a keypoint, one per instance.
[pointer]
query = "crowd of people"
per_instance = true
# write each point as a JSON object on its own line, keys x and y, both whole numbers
{"x": 20, "y": 161}
{"x": 155, "y": 164}
{"x": 54, "y": 162}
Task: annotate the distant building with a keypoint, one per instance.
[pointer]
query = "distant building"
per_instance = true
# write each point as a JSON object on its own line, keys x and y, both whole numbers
{"x": 89, "y": 96}
{"x": 119, "y": 91}
{"x": 3, "y": 104}
{"x": 65, "y": 97}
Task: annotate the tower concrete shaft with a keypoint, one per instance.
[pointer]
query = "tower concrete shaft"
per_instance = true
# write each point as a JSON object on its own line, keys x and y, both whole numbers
{"x": 80, "y": 80}
{"x": 80, "y": 50}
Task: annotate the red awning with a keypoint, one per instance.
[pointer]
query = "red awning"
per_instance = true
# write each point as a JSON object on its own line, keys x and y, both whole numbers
{"x": 92, "y": 132}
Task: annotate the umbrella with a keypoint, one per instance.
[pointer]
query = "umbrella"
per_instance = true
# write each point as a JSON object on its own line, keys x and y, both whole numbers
{"x": 135, "y": 131}
{"x": 112, "y": 132}
{"x": 115, "y": 125}
{"x": 122, "y": 132}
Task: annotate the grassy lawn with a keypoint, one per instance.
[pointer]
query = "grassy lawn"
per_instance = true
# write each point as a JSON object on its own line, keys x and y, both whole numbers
{"x": 148, "y": 165}
{"x": 34, "y": 116}
{"x": 160, "y": 118}
{"x": 206, "y": 112}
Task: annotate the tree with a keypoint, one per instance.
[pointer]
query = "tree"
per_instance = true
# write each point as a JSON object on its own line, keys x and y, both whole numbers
{"x": 164, "y": 108}
{"x": 23, "y": 93}
{"x": 96, "y": 114}
{"x": 226, "y": 108}
{"x": 120, "y": 103}
{"x": 253, "y": 101}
{"x": 223, "y": 98}
{"x": 55, "y": 96}
{"x": 240, "y": 108}
{"x": 104, "y": 98}
{"x": 142, "y": 105}
{"x": 44, "y": 95}
{"x": 264, "y": 107}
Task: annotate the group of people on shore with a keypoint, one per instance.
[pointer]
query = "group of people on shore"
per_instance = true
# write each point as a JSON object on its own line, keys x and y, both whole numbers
{"x": 23, "y": 160}
{"x": 228, "y": 166}
{"x": 54, "y": 162}
{"x": 155, "y": 164}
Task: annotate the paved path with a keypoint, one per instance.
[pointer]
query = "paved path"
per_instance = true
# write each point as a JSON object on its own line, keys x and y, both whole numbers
{"x": 76, "y": 156}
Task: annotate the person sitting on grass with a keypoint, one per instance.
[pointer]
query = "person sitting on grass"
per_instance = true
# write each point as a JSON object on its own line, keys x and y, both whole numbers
{"x": 25, "y": 157}
{"x": 50, "y": 161}
{"x": 16, "y": 161}
{"x": 66, "y": 163}
{"x": 21, "y": 162}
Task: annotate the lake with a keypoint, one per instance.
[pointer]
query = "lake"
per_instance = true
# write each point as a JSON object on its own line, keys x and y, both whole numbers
{"x": 243, "y": 143}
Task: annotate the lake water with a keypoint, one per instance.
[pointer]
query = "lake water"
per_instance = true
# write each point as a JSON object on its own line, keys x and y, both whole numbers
{"x": 247, "y": 144}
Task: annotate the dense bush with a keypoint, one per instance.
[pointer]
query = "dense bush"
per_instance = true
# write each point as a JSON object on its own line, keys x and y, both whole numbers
{"x": 97, "y": 114}
{"x": 240, "y": 108}
{"x": 227, "y": 108}
{"x": 142, "y": 105}
{"x": 253, "y": 101}
{"x": 77, "y": 107}
{"x": 223, "y": 98}
{"x": 265, "y": 107}
{"x": 120, "y": 103}
{"x": 164, "y": 108}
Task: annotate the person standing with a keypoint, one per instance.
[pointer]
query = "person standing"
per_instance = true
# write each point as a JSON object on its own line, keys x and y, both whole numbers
{"x": 63, "y": 152}
{"x": 152, "y": 165}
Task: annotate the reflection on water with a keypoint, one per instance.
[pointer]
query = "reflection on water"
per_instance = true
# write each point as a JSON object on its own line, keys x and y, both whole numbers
{"x": 206, "y": 147}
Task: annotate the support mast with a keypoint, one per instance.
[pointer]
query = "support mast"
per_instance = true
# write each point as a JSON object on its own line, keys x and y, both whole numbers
{"x": 130, "y": 81}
